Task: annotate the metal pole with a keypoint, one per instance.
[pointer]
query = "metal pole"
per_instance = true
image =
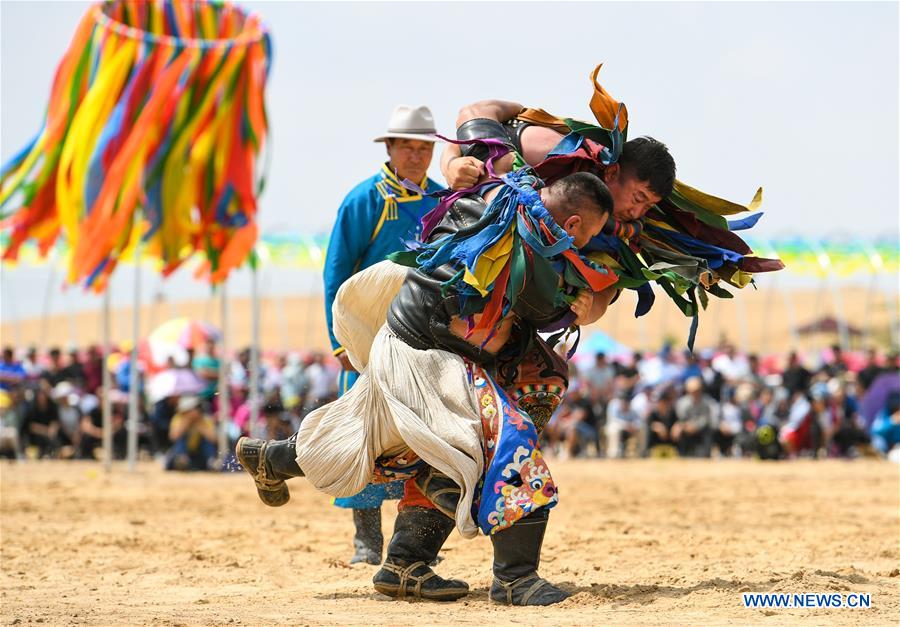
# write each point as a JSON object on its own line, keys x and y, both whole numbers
{"x": 223, "y": 374}
{"x": 107, "y": 385}
{"x": 254, "y": 352}
{"x": 133, "y": 399}
{"x": 769, "y": 309}
{"x": 890, "y": 297}
{"x": 791, "y": 316}
{"x": 14, "y": 315}
{"x": 73, "y": 327}
{"x": 843, "y": 332}
{"x": 48, "y": 298}
{"x": 311, "y": 302}
{"x": 742, "y": 325}
{"x": 867, "y": 314}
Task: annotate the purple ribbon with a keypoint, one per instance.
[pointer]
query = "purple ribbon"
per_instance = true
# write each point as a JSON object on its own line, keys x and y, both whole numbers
{"x": 496, "y": 149}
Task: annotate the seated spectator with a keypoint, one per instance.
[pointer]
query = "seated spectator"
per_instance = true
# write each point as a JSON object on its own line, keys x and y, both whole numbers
{"x": 697, "y": 415}
{"x": 322, "y": 382}
{"x": 577, "y": 424}
{"x": 622, "y": 423}
{"x": 278, "y": 422}
{"x": 74, "y": 371}
{"x": 122, "y": 378}
{"x": 93, "y": 370}
{"x": 10, "y": 423}
{"x": 600, "y": 376}
{"x": 54, "y": 373}
{"x": 69, "y": 418}
{"x": 628, "y": 375}
{"x": 871, "y": 370}
{"x": 12, "y": 373}
{"x": 749, "y": 404}
{"x": 713, "y": 380}
{"x": 848, "y": 438}
{"x": 193, "y": 437}
{"x": 31, "y": 364}
{"x": 160, "y": 421}
{"x": 91, "y": 434}
{"x": 886, "y": 427}
{"x": 206, "y": 366}
{"x": 837, "y": 365}
{"x": 796, "y": 378}
{"x": 730, "y": 424}
{"x": 660, "y": 422}
{"x": 776, "y": 412}
{"x": 807, "y": 425}
{"x": 754, "y": 377}
{"x": 42, "y": 423}
{"x": 293, "y": 382}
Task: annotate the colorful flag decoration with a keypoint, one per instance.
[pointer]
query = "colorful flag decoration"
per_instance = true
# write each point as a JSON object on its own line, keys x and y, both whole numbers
{"x": 806, "y": 257}
{"x": 152, "y": 134}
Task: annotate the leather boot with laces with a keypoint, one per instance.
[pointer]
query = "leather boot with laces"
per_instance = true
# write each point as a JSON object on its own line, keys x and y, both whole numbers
{"x": 368, "y": 541}
{"x": 270, "y": 463}
{"x": 517, "y": 554}
{"x": 419, "y": 534}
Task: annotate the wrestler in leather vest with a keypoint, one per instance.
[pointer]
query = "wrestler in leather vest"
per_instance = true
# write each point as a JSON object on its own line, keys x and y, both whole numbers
{"x": 420, "y": 315}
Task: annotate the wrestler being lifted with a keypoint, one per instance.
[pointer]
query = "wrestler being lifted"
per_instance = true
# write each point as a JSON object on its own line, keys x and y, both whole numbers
{"x": 456, "y": 382}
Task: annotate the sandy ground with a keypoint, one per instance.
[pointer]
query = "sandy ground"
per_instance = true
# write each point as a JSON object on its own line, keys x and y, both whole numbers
{"x": 637, "y": 542}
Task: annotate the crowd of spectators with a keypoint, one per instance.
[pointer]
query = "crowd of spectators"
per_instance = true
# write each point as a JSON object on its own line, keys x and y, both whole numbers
{"x": 51, "y": 404}
{"x": 712, "y": 403}
{"x": 722, "y": 403}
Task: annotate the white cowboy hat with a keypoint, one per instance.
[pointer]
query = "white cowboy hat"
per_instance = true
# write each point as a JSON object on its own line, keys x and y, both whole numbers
{"x": 410, "y": 123}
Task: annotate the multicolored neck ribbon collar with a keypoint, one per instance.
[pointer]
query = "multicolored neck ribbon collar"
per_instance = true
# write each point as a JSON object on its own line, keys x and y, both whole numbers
{"x": 494, "y": 261}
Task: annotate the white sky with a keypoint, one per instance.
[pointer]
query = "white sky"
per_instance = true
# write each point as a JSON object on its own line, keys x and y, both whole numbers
{"x": 801, "y": 98}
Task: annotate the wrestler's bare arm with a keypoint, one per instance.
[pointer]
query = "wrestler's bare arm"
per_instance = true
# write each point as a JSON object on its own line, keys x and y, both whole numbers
{"x": 498, "y": 110}
{"x": 591, "y": 306}
{"x": 464, "y": 172}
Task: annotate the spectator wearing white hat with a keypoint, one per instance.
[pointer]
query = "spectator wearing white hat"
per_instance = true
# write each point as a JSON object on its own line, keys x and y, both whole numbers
{"x": 374, "y": 220}
{"x": 67, "y": 399}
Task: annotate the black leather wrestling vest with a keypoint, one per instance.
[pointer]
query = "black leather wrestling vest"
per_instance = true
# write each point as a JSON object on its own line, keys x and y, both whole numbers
{"x": 420, "y": 315}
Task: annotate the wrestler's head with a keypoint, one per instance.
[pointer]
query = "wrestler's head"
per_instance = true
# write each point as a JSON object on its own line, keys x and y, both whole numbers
{"x": 580, "y": 203}
{"x": 410, "y": 158}
{"x": 643, "y": 175}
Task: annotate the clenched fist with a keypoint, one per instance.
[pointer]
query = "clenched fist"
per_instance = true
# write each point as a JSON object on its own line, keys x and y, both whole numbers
{"x": 464, "y": 172}
{"x": 582, "y": 307}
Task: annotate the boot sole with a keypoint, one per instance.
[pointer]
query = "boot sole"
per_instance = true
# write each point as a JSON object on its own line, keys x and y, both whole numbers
{"x": 272, "y": 498}
{"x": 393, "y": 591}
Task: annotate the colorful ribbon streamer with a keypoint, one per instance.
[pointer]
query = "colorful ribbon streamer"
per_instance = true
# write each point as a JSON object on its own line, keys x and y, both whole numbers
{"x": 152, "y": 133}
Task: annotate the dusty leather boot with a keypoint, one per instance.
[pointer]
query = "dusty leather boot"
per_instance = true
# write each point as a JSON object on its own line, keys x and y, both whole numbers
{"x": 270, "y": 463}
{"x": 368, "y": 541}
{"x": 517, "y": 554}
{"x": 419, "y": 534}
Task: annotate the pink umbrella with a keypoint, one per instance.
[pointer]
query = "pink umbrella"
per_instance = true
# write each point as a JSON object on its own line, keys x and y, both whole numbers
{"x": 173, "y": 338}
{"x": 174, "y": 382}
